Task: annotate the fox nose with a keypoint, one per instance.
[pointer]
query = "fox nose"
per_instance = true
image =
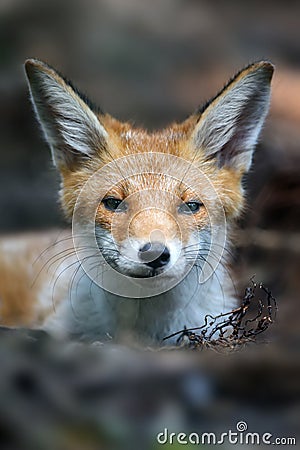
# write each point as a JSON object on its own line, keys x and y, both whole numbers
{"x": 154, "y": 254}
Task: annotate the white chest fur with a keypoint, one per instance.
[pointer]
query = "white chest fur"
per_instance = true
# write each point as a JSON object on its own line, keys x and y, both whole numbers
{"x": 93, "y": 314}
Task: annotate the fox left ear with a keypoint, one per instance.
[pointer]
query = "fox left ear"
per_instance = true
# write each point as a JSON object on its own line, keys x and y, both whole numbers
{"x": 229, "y": 126}
{"x": 71, "y": 128}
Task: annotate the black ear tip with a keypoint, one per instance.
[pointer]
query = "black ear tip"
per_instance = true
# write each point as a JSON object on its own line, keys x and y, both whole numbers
{"x": 32, "y": 65}
{"x": 30, "y": 61}
{"x": 34, "y": 62}
{"x": 266, "y": 68}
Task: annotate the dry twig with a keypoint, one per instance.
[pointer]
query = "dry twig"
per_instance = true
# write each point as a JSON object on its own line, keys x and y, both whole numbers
{"x": 230, "y": 331}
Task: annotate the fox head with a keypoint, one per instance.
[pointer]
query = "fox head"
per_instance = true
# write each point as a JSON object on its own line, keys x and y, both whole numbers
{"x": 153, "y": 198}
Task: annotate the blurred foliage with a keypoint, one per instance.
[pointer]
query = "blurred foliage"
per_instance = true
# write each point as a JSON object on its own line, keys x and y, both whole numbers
{"x": 69, "y": 396}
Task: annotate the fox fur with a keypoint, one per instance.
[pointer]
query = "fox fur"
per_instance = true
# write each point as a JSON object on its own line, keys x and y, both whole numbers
{"x": 156, "y": 195}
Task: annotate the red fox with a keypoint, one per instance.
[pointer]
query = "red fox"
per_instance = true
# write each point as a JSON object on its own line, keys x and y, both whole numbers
{"x": 152, "y": 215}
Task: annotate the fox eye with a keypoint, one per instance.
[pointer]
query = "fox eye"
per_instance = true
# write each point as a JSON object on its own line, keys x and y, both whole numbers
{"x": 114, "y": 204}
{"x": 190, "y": 207}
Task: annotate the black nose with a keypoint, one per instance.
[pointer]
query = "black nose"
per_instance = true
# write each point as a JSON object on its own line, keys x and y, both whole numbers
{"x": 154, "y": 254}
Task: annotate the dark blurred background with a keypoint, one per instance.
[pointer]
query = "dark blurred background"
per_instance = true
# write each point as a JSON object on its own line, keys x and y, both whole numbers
{"x": 154, "y": 62}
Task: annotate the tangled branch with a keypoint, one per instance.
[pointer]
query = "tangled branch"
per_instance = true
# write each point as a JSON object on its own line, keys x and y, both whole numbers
{"x": 236, "y": 328}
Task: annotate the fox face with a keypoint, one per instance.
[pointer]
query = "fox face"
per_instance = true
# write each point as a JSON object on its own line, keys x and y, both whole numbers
{"x": 152, "y": 205}
{"x": 151, "y": 221}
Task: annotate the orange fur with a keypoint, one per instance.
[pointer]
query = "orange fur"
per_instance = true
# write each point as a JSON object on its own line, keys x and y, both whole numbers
{"x": 26, "y": 272}
{"x": 217, "y": 142}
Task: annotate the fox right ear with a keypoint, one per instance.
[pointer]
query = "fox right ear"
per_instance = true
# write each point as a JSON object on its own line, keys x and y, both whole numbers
{"x": 71, "y": 128}
{"x": 229, "y": 126}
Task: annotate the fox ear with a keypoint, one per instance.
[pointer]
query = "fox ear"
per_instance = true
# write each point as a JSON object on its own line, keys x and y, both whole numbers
{"x": 229, "y": 125}
{"x": 71, "y": 128}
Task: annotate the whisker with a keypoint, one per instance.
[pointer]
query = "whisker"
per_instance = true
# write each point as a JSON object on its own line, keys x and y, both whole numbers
{"x": 61, "y": 273}
{"x": 53, "y": 244}
{"x": 96, "y": 266}
{"x": 214, "y": 273}
{"x": 63, "y": 255}
{"x": 206, "y": 246}
{"x": 44, "y": 265}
